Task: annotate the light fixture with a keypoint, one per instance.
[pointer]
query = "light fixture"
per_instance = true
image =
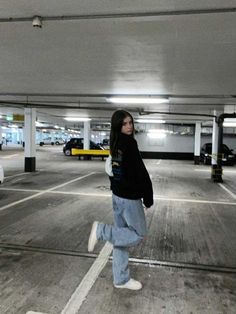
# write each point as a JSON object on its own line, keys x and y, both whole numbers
{"x": 150, "y": 121}
{"x": 39, "y": 124}
{"x": 74, "y": 119}
{"x": 37, "y": 21}
{"x": 138, "y": 100}
{"x": 229, "y": 122}
{"x": 156, "y": 133}
{"x": 13, "y": 126}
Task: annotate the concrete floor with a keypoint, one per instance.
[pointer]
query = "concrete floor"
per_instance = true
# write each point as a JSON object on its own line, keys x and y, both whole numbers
{"x": 187, "y": 263}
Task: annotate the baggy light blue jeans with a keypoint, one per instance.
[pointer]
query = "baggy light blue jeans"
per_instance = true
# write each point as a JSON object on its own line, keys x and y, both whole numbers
{"x": 128, "y": 230}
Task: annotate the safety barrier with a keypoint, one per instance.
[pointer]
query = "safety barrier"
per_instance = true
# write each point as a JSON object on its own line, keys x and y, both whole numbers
{"x": 88, "y": 153}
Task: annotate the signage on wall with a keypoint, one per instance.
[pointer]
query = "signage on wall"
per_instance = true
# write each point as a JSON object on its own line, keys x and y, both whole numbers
{"x": 18, "y": 117}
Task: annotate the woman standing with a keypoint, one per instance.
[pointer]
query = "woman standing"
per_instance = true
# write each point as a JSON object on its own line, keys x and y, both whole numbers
{"x": 130, "y": 184}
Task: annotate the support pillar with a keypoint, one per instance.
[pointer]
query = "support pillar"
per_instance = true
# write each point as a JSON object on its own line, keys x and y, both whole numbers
{"x": 0, "y": 137}
{"x": 216, "y": 169}
{"x": 29, "y": 136}
{"x": 86, "y": 134}
{"x": 197, "y": 143}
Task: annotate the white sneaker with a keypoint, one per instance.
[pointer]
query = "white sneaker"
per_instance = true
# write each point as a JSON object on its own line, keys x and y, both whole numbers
{"x": 93, "y": 237}
{"x": 131, "y": 284}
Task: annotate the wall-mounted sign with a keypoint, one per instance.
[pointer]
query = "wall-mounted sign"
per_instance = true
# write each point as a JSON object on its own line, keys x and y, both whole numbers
{"x": 18, "y": 117}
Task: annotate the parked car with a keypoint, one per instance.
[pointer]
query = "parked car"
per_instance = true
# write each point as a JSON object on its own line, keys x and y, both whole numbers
{"x": 46, "y": 141}
{"x": 228, "y": 157}
{"x": 78, "y": 143}
{"x": 59, "y": 141}
{"x": 1, "y": 174}
{"x": 50, "y": 141}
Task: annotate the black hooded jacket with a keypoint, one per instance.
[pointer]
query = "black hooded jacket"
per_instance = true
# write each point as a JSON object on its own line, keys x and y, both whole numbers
{"x": 130, "y": 178}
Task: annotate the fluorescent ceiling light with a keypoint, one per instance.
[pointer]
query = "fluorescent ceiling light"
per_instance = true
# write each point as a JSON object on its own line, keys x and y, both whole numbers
{"x": 157, "y": 131}
{"x": 229, "y": 122}
{"x": 39, "y": 123}
{"x": 156, "y": 135}
{"x": 150, "y": 121}
{"x": 138, "y": 100}
{"x": 77, "y": 119}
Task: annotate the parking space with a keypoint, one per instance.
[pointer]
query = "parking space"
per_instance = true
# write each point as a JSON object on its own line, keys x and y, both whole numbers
{"x": 166, "y": 290}
{"x": 57, "y": 221}
{"x": 45, "y": 228}
{"x": 38, "y": 281}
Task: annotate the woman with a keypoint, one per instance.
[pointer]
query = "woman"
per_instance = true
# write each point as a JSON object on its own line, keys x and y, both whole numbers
{"x": 130, "y": 184}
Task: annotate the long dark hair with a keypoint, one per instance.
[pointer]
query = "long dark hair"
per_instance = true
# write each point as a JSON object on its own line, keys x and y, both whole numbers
{"x": 116, "y": 125}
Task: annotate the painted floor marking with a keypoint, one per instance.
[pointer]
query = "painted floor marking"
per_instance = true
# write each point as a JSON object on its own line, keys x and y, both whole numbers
{"x": 45, "y": 191}
{"x": 33, "y": 312}
{"x": 81, "y": 292}
{"x": 156, "y": 197}
{"x": 227, "y": 190}
{"x": 16, "y": 175}
{"x": 209, "y": 170}
{"x": 9, "y": 156}
{"x": 193, "y": 201}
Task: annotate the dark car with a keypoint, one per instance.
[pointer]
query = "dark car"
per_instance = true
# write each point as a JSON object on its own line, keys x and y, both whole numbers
{"x": 78, "y": 143}
{"x": 228, "y": 157}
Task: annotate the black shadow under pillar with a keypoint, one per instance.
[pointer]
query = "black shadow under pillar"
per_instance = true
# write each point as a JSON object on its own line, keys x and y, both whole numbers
{"x": 216, "y": 173}
{"x": 196, "y": 160}
{"x": 30, "y": 164}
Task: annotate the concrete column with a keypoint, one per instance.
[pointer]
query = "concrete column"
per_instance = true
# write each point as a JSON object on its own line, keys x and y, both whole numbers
{"x": 52, "y": 137}
{"x": 197, "y": 144}
{"x": 21, "y": 135}
{"x": 215, "y": 134}
{"x": 216, "y": 171}
{"x": 29, "y": 135}
{"x": 18, "y": 136}
{"x": 0, "y": 137}
{"x": 40, "y": 136}
{"x": 86, "y": 134}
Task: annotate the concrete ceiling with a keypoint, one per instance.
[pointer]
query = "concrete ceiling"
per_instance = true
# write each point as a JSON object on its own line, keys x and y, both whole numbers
{"x": 87, "y": 51}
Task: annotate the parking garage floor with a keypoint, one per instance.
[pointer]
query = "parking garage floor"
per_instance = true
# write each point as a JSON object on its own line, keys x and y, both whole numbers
{"x": 187, "y": 263}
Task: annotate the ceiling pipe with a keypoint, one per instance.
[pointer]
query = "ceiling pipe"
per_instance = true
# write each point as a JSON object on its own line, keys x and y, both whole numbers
{"x": 177, "y": 113}
{"x": 79, "y": 107}
{"x": 123, "y": 15}
{"x": 108, "y": 95}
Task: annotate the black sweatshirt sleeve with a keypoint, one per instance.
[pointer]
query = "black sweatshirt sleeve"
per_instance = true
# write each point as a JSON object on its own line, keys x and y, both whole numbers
{"x": 142, "y": 176}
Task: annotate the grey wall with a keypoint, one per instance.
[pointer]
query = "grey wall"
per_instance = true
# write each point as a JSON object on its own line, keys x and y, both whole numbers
{"x": 177, "y": 143}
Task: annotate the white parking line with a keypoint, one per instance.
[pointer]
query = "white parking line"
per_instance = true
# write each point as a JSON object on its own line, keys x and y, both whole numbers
{"x": 156, "y": 197}
{"x": 45, "y": 191}
{"x": 9, "y": 156}
{"x": 193, "y": 201}
{"x": 209, "y": 170}
{"x": 227, "y": 190}
{"x": 16, "y": 175}
{"x": 81, "y": 292}
{"x": 33, "y": 312}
